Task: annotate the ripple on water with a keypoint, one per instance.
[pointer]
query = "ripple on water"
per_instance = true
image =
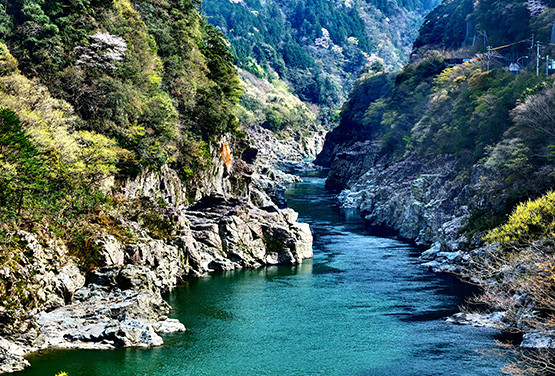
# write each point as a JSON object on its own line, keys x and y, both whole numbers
{"x": 362, "y": 307}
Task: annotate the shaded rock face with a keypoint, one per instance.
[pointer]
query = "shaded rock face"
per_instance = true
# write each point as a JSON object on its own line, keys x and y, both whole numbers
{"x": 419, "y": 199}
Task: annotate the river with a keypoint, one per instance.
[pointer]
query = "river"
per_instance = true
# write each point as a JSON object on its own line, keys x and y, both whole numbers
{"x": 364, "y": 306}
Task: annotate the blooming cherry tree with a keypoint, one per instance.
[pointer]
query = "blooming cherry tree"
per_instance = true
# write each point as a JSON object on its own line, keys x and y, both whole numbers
{"x": 105, "y": 51}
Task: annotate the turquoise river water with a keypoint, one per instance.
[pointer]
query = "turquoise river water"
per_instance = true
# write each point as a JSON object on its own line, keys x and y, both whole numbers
{"x": 364, "y": 306}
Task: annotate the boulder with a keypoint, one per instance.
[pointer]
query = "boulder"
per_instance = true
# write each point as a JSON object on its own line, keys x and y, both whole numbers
{"x": 10, "y": 362}
{"x": 538, "y": 341}
{"x": 169, "y": 326}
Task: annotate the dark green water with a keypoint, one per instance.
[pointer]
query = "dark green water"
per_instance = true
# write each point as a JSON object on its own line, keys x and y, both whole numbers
{"x": 363, "y": 306}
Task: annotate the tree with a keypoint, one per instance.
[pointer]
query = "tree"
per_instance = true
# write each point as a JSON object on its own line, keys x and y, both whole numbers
{"x": 538, "y": 112}
{"x": 105, "y": 51}
{"x": 21, "y": 166}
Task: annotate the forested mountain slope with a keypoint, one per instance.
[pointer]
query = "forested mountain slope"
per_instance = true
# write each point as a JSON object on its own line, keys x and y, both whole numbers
{"x": 462, "y": 24}
{"x": 317, "y": 47}
{"x": 444, "y": 151}
{"x": 115, "y": 117}
{"x": 122, "y": 67}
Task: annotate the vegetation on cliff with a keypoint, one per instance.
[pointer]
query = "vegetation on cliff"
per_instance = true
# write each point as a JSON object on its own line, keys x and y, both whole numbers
{"x": 155, "y": 77}
{"x": 106, "y": 87}
{"x": 517, "y": 275}
{"x": 479, "y": 117}
{"x": 494, "y": 127}
{"x": 93, "y": 93}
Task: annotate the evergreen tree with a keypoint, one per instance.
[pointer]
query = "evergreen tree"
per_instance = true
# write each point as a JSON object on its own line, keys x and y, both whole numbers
{"x": 22, "y": 169}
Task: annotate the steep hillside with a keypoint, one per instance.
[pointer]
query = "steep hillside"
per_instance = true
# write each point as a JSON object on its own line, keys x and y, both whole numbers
{"x": 443, "y": 151}
{"x": 466, "y": 27}
{"x": 121, "y": 172}
{"x": 317, "y": 47}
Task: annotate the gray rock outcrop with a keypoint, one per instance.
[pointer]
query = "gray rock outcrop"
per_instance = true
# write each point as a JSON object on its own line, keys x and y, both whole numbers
{"x": 164, "y": 239}
{"x": 102, "y": 319}
{"x": 275, "y": 159}
{"x": 418, "y": 199}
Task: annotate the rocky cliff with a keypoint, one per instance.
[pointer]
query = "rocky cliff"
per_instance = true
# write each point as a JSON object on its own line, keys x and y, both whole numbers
{"x": 420, "y": 199}
{"x": 145, "y": 246}
{"x": 277, "y": 158}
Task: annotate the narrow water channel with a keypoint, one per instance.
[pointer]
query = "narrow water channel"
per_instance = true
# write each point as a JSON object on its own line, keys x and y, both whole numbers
{"x": 364, "y": 306}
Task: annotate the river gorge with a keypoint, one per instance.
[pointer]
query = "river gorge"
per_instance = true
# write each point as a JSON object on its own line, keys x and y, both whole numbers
{"x": 362, "y": 306}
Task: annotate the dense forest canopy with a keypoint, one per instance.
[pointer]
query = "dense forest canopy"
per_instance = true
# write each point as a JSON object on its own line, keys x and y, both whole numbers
{"x": 154, "y": 76}
{"x": 318, "y": 47}
{"x": 458, "y": 24}
{"x": 97, "y": 88}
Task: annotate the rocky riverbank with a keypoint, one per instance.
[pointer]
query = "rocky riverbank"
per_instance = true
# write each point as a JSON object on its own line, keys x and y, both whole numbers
{"x": 277, "y": 159}
{"x": 430, "y": 202}
{"x": 423, "y": 200}
{"x": 145, "y": 246}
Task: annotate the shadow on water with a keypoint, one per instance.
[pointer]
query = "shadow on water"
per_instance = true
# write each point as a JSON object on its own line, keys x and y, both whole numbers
{"x": 364, "y": 306}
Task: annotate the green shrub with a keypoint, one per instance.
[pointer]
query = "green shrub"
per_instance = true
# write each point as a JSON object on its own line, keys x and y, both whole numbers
{"x": 530, "y": 221}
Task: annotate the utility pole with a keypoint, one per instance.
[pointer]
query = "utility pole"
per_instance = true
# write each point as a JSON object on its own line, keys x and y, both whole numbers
{"x": 489, "y": 56}
{"x": 538, "y": 57}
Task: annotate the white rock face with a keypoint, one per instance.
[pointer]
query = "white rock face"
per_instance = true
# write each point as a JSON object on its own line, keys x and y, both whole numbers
{"x": 11, "y": 357}
{"x": 488, "y": 320}
{"x": 274, "y": 156}
{"x": 235, "y": 235}
{"x": 431, "y": 253}
{"x": 110, "y": 249}
{"x": 169, "y": 326}
{"x": 120, "y": 319}
{"x": 538, "y": 341}
{"x": 272, "y": 150}
{"x": 10, "y": 362}
{"x": 164, "y": 184}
